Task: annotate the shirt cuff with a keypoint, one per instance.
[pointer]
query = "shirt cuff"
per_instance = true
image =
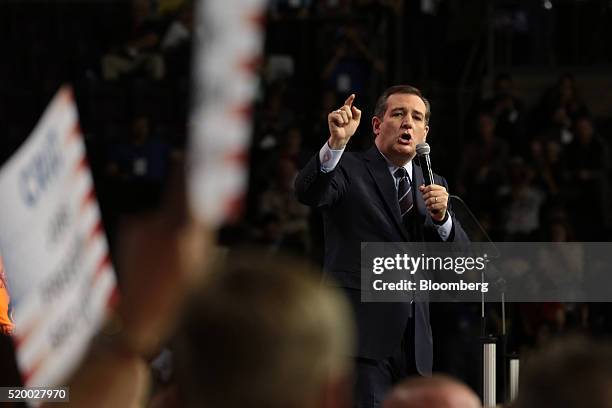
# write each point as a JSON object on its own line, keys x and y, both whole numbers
{"x": 329, "y": 158}
{"x": 444, "y": 230}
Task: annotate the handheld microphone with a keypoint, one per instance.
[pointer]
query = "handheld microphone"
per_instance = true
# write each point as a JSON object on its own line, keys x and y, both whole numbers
{"x": 423, "y": 150}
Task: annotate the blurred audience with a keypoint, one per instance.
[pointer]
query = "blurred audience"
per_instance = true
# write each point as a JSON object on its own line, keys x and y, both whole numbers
{"x": 520, "y": 202}
{"x": 508, "y": 111}
{"x": 279, "y": 9}
{"x": 138, "y": 166}
{"x": 351, "y": 65}
{"x": 559, "y": 108}
{"x": 483, "y": 167}
{"x": 176, "y": 43}
{"x": 292, "y": 216}
{"x": 438, "y": 391}
{"x": 588, "y": 163}
{"x": 264, "y": 335}
{"x": 569, "y": 373}
{"x": 549, "y": 169}
{"x": 137, "y": 46}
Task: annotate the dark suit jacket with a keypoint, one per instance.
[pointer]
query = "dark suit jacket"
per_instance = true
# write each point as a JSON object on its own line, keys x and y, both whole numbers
{"x": 359, "y": 203}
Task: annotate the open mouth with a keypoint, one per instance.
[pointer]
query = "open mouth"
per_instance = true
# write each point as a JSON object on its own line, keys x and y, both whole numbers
{"x": 405, "y": 138}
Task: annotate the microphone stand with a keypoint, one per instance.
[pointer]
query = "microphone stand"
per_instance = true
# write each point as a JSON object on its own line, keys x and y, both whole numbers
{"x": 489, "y": 342}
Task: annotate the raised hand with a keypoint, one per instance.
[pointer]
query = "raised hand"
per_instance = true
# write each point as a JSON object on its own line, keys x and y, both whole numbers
{"x": 343, "y": 123}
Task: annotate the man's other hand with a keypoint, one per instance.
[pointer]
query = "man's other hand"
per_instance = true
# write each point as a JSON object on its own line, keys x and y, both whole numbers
{"x": 436, "y": 200}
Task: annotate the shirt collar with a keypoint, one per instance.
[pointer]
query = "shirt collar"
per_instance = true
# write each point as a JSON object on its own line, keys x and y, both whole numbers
{"x": 393, "y": 168}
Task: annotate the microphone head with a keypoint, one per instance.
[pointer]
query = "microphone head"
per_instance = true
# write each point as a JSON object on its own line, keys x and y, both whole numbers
{"x": 422, "y": 149}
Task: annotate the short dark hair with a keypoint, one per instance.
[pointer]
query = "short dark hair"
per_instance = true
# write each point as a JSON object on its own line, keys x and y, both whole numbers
{"x": 381, "y": 103}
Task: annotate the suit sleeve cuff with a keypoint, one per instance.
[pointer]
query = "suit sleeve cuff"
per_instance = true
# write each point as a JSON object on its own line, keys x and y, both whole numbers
{"x": 445, "y": 228}
{"x": 329, "y": 158}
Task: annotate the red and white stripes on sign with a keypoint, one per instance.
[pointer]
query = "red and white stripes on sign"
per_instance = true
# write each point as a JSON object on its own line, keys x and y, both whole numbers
{"x": 228, "y": 53}
{"x": 96, "y": 265}
{"x": 27, "y": 375}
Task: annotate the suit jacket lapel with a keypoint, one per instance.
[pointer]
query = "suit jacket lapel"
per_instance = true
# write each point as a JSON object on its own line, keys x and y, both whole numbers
{"x": 378, "y": 169}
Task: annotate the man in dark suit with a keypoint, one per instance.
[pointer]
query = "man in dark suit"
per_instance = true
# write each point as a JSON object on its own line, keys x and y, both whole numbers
{"x": 372, "y": 197}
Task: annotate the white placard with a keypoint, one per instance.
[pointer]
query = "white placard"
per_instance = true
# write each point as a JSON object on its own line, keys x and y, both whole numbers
{"x": 229, "y": 42}
{"x": 55, "y": 253}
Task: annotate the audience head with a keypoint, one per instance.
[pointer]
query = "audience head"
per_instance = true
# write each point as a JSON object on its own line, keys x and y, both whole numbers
{"x": 569, "y": 373}
{"x": 584, "y": 129}
{"x": 504, "y": 85}
{"x": 264, "y": 335}
{"x": 141, "y": 128}
{"x": 432, "y": 392}
{"x": 486, "y": 127}
{"x": 567, "y": 87}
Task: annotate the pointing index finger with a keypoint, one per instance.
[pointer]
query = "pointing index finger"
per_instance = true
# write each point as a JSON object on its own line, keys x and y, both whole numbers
{"x": 349, "y": 100}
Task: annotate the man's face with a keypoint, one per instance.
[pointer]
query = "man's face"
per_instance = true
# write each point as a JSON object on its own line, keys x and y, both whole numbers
{"x": 402, "y": 127}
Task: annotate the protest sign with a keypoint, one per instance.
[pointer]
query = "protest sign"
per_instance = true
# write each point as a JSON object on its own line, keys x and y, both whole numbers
{"x": 55, "y": 253}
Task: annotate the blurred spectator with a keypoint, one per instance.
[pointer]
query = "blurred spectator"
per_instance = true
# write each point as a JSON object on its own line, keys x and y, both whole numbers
{"x": 520, "y": 203}
{"x": 318, "y": 132}
{"x": 278, "y": 67}
{"x": 265, "y": 335}
{"x": 570, "y": 373}
{"x": 165, "y": 7}
{"x": 434, "y": 392}
{"x": 275, "y": 116}
{"x": 6, "y": 325}
{"x": 538, "y": 323}
{"x": 563, "y": 269}
{"x": 351, "y": 64}
{"x": 482, "y": 170}
{"x": 549, "y": 170}
{"x": 138, "y": 47}
{"x": 139, "y": 166}
{"x": 280, "y": 199}
{"x": 289, "y": 8}
{"x": 176, "y": 43}
{"x": 588, "y": 164}
{"x": 559, "y": 108}
{"x": 557, "y": 227}
{"x": 332, "y": 8}
{"x": 291, "y": 148}
{"x": 268, "y": 233}
{"x": 508, "y": 111}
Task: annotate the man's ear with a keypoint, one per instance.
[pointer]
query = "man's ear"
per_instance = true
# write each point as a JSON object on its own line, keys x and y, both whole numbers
{"x": 426, "y": 133}
{"x": 376, "y": 125}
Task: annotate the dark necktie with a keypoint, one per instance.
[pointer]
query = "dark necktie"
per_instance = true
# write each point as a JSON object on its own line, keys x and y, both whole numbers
{"x": 404, "y": 196}
{"x": 404, "y": 193}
